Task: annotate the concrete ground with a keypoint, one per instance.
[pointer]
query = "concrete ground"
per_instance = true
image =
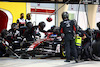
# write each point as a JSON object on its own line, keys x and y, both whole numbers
{"x": 44, "y": 62}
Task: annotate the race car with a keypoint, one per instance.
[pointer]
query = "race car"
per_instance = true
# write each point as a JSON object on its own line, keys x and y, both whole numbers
{"x": 48, "y": 45}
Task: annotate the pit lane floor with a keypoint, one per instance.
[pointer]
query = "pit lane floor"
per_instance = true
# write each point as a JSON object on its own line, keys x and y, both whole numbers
{"x": 44, "y": 61}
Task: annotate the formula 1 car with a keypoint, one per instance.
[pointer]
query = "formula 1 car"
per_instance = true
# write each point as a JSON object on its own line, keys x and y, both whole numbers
{"x": 49, "y": 45}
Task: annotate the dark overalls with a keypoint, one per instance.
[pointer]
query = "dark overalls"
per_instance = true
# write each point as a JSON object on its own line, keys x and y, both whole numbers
{"x": 68, "y": 27}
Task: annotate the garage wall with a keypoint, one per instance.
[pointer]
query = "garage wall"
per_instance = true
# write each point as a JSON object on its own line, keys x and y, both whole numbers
{"x": 15, "y": 8}
{"x": 97, "y": 16}
{"x": 82, "y": 18}
{"x": 40, "y": 12}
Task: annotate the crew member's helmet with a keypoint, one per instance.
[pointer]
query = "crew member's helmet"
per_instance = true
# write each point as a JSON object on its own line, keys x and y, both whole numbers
{"x": 42, "y": 25}
{"x": 4, "y": 33}
{"x": 65, "y": 15}
{"x": 29, "y": 24}
{"x": 14, "y": 26}
{"x": 98, "y": 25}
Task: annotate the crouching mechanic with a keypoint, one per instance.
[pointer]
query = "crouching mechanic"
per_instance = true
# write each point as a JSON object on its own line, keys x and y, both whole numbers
{"x": 13, "y": 32}
{"x": 40, "y": 29}
{"x": 67, "y": 27}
